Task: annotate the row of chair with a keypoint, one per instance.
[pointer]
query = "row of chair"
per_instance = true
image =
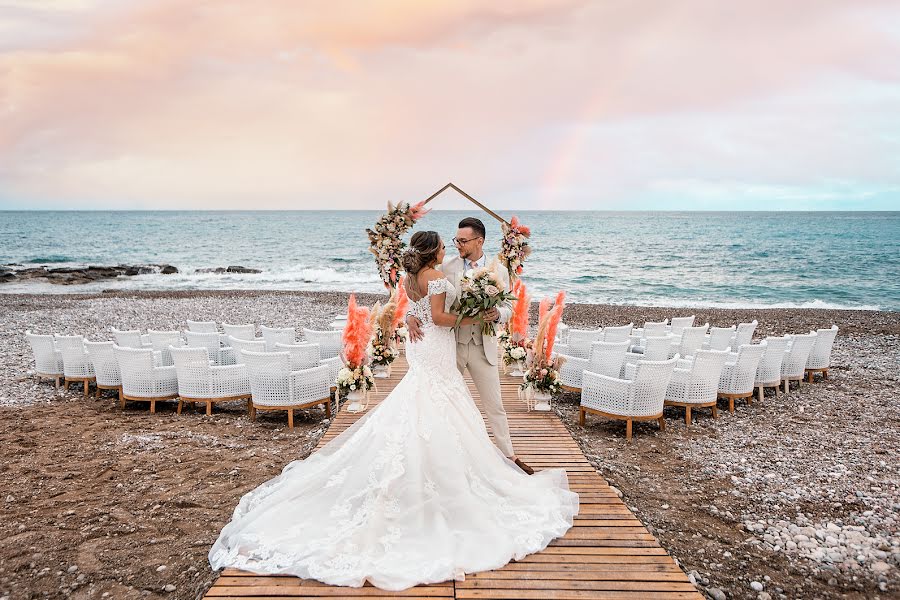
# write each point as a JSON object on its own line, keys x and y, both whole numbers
{"x": 633, "y": 379}
{"x": 180, "y": 365}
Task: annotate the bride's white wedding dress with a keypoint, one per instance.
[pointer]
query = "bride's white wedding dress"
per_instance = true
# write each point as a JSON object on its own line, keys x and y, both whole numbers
{"x": 414, "y": 492}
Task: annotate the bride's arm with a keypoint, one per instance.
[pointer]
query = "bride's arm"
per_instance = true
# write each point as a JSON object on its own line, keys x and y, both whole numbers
{"x": 441, "y": 317}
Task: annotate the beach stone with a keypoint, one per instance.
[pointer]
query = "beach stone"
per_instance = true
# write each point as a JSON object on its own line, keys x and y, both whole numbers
{"x": 880, "y": 567}
{"x": 169, "y": 588}
{"x": 756, "y": 586}
{"x": 716, "y": 594}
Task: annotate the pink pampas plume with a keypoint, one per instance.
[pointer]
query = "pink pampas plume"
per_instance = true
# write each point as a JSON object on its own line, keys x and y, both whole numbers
{"x": 519, "y": 321}
{"x": 555, "y": 318}
{"x": 417, "y": 211}
{"x": 514, "y": 224}
{"x": 356, "y": 333}
{"x": 402, "y": 301}
{"x": 542, "y": 310}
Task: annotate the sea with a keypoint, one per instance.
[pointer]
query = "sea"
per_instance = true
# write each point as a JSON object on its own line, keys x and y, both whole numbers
{"x": 847, "y": 260}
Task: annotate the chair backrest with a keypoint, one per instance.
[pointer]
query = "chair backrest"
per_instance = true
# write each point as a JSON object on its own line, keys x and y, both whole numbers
{"x": 657, "y": 349}
{"x": 692, "y": 339}
{"x": 193, "y": 371}
{"x": 720, "y": 337}
{"x": 742, "y": 375}
{"x": 106, "y": 368}
{"x": 820, "y": 355}
{"x": 240, "y": 332}
{"x": 607, "y": 358}
{"x": 797, "y": 354}
{"x": 303, "y": 356}
{"x": 136, "y": 369}
{"x": 681, "y": 323}
{"x": 278, "y": 335}
{"x": 209, "y": 340}
{"x": 76, "y": 362}
{"x": 655, "y": 329}
{"x": 585, "y": 335}
{"x": 330, "y": 342}
{"x": 744, "y": 334}
{"x": 769, "y": 369}
{"x": 202, "y": 326}
{"x": 161, "y": 340}
{"x": 705, "y": 374}
{"x": 237, "y": 345}
{"x": 619, "y": 333}
{"x": 648, "y": 390}
{"x": 269, "y": 377}
{"x": 47, "y": 358}
{"x": 128, "y": 338}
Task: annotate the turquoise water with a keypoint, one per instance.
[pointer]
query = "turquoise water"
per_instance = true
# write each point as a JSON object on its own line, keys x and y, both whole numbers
{"x": 749, "y": 259}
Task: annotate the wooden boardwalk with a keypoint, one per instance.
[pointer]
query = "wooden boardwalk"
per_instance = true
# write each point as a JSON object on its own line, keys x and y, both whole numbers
{"x": 608, "y": 554}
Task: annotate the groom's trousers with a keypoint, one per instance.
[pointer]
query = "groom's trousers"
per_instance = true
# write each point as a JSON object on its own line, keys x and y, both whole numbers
{"x": 487, "y": 381}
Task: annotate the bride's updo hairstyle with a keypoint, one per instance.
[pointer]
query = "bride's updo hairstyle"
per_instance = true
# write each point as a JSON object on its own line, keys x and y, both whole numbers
{"x": 422, "y": 251}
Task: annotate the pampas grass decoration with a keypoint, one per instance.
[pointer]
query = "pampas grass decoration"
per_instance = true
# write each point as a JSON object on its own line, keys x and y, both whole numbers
{"x": 518, "y": 323}
{"x": 402, "y": 301}
{"x": 554, "y": 317}
{"x": 356, "y": 333}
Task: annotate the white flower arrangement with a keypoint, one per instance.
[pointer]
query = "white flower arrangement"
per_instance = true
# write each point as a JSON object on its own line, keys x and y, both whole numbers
{"x": 351, "y": 380}
{"x": 386, "y": 242}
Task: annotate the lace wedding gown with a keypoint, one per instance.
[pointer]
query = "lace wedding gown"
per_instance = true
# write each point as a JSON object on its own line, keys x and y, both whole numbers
{"x": 414, "y": 492}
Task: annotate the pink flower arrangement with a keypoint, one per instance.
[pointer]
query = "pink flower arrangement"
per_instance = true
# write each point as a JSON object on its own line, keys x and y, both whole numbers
{"x": 514, "y": 248}
{"x": 386, "y": 239}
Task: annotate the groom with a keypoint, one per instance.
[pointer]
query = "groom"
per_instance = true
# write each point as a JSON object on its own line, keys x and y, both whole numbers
{"x": 475, "y": 351}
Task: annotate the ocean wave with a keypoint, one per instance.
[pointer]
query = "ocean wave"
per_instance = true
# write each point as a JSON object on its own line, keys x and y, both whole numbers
{"x": 50, "y": 259}
{"x": 689, "y": 303}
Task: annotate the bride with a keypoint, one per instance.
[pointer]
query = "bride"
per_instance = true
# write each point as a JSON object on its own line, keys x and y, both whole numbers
{"x": 414, "y": 492}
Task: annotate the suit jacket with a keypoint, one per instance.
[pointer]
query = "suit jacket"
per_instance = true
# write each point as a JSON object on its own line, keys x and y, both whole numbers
{"x": 454, "y": 269}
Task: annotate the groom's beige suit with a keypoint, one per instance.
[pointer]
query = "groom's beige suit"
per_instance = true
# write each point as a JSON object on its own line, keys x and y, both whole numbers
{"x": 478, "y": 353}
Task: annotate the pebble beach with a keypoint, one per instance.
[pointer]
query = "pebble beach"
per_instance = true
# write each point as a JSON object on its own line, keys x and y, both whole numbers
{"x": 794, "y": 497}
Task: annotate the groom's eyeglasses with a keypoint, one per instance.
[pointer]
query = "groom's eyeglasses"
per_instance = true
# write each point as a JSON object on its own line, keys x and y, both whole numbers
{"x": 462, "y": 242}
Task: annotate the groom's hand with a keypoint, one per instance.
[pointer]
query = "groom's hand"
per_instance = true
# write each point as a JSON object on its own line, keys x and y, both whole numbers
{"x": 491, "y": 315}
{"x": 414, "y": 327}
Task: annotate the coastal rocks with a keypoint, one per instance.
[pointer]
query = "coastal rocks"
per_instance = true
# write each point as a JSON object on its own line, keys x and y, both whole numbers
{"x": 79, "y": 275}
{"x": 229, "y": 269}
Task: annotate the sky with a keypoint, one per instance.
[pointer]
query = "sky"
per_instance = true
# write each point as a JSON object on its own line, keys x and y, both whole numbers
{"x": 525, "y": 104}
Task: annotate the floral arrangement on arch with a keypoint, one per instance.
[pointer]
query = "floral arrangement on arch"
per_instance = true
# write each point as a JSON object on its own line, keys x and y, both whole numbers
{"x": 514, "y": 248}
{"x": 514, "y": 341}
{"x": 543, "y": 371}
{"x": 386, "y": 239}
{"x": 356, "y": 374}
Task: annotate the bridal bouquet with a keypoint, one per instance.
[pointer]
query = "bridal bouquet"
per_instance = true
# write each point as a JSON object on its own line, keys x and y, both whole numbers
{"x": 481, "y": 290}
{"x": 386, "y": 238}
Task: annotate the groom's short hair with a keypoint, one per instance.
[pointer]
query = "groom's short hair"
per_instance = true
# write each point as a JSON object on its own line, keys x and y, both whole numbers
{"x": 474, "y": 224}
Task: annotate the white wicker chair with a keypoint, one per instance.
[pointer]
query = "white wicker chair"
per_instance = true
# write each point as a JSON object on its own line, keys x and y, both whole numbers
{"x": 793, "y": 368}
{"x": 639, "y": 399}
{"x": 739, "y": 374}
{"x": 655, "y": 349}
{"x": 820, "y": 356}
{"x": 719, "y": 338}
{"x": 303, "y": 356}
{"x": 744, "y": 334}
{"x": 240, "y": 332}
{"x": 236, "y": 345}
{"x": 160, "y": 342}
{"x": 579, "y": 343}
{"x": 106, "y": 368}
{"x": 606, "y": 359}
{"x": 198, "y": 381}
{"x": 142, "y": 380}
{"x": 212, "y": 342}
{"x": 692, "y": 340}
{"x": 278, "y": 335}
{"x": 768, "y": 373}
{"x": 654, "y": 328}
{"x": 679, "y": 324}
{"x": 131, "y": 338}
{"x": 48, "y": 359}
{"x": 274, "y": 386}
{"x": 620, "y": 333}
{"x": 203, "y": 326}
{"x": 77, "y": 365}
{"x": 697, "y": 385}
{"x": 330, "y": 342}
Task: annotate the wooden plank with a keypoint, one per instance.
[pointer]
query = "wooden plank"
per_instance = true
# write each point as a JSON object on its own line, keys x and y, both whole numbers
{"x": 608, "y": 553}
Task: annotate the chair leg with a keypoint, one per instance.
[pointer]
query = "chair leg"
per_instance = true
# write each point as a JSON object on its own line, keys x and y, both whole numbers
{"x": 715, "y": 410}
{"x": 687, "y": 416}
{"x": 153, "y": 406}
{"x": 57, "y": 385}
{"x": 628, "y": 430}
{"x": 328, "y": 409}
{"x": 209, "y": 408}
{"x": 180, "y": 404}
{"x": 121, "y": 400}
{"x": 662, "y": 424}
{"x": 66, "y": 385}
{"x": 787, "y": 386}
{"x": 252, "y": 410}
{"x": 750, "y": 399}
{"x": 86, "y": 390}
{"x": 290, "y": 418}
{"x": 825, "y": 374}
{"x": 759, "y": 393}
{"x": 581, "y": 416}
{"x": 730, "y": 406}
{"x": 809, "y": 376}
